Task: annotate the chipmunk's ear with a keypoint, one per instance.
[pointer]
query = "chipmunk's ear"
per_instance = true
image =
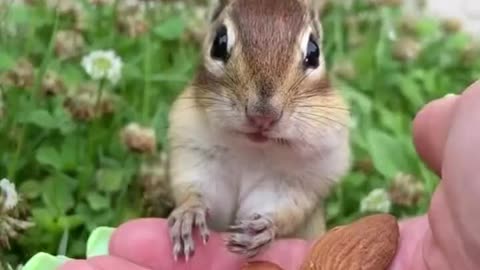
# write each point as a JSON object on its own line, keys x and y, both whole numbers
{"x": 216, "y": 8}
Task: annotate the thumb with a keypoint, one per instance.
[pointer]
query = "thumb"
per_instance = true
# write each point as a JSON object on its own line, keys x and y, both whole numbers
{"x": 430, "y": 130}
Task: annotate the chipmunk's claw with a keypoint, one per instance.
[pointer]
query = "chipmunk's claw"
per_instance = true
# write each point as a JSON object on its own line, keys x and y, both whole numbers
{"x": 201, "y": 224}
{"x": 251, "y": 235}
{"x": 181, "y": 223}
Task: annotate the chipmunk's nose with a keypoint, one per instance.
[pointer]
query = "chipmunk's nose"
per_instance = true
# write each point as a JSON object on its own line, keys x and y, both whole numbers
{"x": 263, "y": 119}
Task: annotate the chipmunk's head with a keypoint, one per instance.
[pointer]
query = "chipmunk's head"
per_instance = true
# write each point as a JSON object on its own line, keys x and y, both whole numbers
{"x": 263, "y": 71}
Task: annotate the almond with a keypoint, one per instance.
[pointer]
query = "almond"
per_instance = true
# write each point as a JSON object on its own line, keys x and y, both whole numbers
{"x": 368, "y": 244}
{"x": 261, "y": 265}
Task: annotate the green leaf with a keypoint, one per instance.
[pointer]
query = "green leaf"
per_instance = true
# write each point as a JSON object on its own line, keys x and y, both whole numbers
{"x": 58, "y": 195}
{"x": 458, "y": 41}
{"x": 97, "y": 201}
{"x": 428, "y": 28}
{"x": 357, "y": 99}
{"x": 412, "y": 92}
{"x": 77, "y": 249}
{"x": 388, "y": 155}
{"x": 19, "y": 14}
{"x": 71, "y": 222}
{"x": 391, "y": 120}
{"x": 63, "y": 121}
{"x": 48, "y": 155}
{"x": 98, "y": 242}
{"x": 333, "y": 209}
{"x": 44, "y": 219}
{"x": 44, "y": 261}
{"x": 43, "y": 119}
{"x": 83, "y": 211}
{"x": 170, "y": 29}
{"x": 6, "y": 60}
{"x": 110, "y": 180}
{"x": 30, "y": 189}
{"x": 160, "y": 122}
{"x": 69, "y": 152}
{"x": 100, "y": 219}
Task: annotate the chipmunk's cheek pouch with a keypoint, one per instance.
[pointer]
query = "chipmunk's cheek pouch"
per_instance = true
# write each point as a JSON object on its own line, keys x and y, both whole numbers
{"x": 368, "y": 244}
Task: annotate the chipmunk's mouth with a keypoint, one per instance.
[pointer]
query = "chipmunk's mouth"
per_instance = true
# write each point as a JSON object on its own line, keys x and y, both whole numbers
{"x": 260, "y": 137}
{"x": 257, "y": 137}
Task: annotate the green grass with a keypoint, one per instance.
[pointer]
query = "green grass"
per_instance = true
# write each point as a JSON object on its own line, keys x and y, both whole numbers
{"x": 55, "y": 160}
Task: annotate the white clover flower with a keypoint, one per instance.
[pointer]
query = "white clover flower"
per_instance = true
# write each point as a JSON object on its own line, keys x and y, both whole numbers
{"x": 377, "y": 200}
{"x": 103, "y": 65}
{"x": 10, "y": 196}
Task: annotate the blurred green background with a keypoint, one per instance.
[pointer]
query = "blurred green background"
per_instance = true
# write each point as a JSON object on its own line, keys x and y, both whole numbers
{"x": 77, "y": 162}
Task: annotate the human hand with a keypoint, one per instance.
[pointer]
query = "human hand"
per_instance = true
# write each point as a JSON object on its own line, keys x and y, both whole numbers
{"x": 142, "y": 244}
{"x": 445, "y": 138}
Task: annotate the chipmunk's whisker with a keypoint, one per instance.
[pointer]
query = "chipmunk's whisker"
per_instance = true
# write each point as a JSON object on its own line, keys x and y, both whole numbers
{"x": 318, "y": 117}
{"x": 323, "y": 107}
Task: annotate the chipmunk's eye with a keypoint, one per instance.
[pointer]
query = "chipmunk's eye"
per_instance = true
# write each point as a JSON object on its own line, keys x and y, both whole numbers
{"x": 312, "y": 54}
{"x": 219, "y": 48}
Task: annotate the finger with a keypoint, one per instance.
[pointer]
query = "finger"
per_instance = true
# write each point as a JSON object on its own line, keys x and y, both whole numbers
{"x": 412, "y": 233}
{"x": 77, "y": 265}
{"x": 109, "y": 262}
{"x": 461, "y": 171}
{"x": 430, "y": 131}
{"x": 453, "y": 237}
{"x": 145, "y": 242}
{"x": 288, "y": 254}
{"x": 100, "y": 263}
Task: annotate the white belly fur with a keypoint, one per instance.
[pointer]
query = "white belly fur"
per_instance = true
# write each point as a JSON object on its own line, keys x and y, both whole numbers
{"x": 244, "y": 181}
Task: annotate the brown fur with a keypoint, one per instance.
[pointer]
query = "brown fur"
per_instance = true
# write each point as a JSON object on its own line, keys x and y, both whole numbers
{"x": 265, "y": 60}
{"x": 267, "y": 32}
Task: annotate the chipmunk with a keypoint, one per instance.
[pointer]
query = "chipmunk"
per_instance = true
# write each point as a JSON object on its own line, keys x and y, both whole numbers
{"x": 259, "y": 137}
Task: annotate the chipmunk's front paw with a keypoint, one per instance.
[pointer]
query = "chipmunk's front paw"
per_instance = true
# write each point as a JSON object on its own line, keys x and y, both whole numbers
{"x": 181, "y": 223}
{"x": 249, "y": 236}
